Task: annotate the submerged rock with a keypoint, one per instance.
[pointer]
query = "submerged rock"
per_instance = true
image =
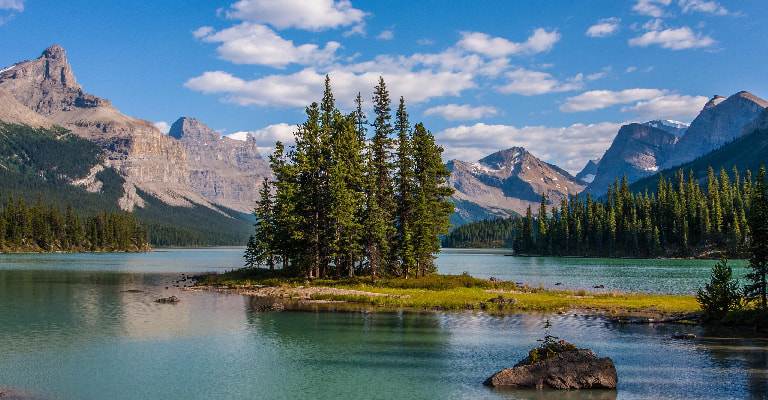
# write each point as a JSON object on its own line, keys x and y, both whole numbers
{"x": 168, "y": 300}
{"x": 573, "y": 369}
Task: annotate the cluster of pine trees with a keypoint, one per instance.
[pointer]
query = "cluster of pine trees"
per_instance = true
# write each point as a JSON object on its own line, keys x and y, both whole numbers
{"x": 682, "y": 218}
{"x": 343, "y": 203}
{"x": 488, "y": 233}
{"x": 44, "y": 228}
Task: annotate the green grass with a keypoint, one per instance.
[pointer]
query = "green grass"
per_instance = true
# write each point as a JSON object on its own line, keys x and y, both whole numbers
{"x": 457, "y": 292}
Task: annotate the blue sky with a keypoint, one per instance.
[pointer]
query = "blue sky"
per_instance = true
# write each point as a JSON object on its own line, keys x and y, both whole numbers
{"x": 556, "y": 77}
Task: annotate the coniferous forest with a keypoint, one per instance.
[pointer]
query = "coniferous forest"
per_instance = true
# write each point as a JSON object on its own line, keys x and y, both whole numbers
{"x": 344, "y": 204}
{"x": 44, "y": 228}
{"x": 682, "y": 218}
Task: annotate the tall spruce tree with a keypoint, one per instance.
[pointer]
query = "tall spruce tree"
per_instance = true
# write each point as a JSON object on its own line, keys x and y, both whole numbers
{"x": 431, "y": 207}
{"x": 380, "y": 193}
{"x": 405, "y": 196}
{"x": 758, "y": 225}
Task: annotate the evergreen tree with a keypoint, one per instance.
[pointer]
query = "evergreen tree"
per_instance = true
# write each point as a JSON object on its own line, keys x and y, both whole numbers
{"x": 758, "y": 225}
{"x": 405, "y": 181}
{"x": 432, "y": 207}
{"x": 721, "y": 294}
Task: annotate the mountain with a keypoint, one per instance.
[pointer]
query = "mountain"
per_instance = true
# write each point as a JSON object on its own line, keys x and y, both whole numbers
{"x": 676, "y": 128}
{"x": 138, "y": 168}
{"x": 588, "y": 173}
{"x": 148, "y": 160}
{"x": 637, "y": 151}
{"x": 225, "y": 171}
{"x": 505, "y": 183}
{"x": 719, "y": 122}
{"x": 747, "y": 152}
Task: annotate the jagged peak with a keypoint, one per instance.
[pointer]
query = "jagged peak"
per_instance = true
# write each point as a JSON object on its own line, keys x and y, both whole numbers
{"x": 715, "y": 100}
{"x": 504, "y": 157}
{"x": 55, "y": 52}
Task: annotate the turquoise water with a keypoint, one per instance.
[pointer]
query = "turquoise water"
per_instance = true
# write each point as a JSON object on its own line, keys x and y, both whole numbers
{"x": 84, "y": 326}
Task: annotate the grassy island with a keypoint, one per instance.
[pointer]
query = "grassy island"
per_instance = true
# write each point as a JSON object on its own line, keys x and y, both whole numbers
{"x": 446, "y": 292}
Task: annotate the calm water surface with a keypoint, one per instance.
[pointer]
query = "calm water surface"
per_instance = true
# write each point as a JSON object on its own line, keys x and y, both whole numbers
{"x": 84, "y": 326}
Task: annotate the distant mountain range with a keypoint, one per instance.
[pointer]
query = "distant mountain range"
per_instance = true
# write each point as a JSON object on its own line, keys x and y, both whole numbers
{"x": 194, "y": 170}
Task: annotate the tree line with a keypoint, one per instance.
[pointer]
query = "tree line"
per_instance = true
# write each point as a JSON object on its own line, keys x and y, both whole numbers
{"x": 682, "y": 218}
{"x": 43, "y": 227}
{"x": 344, "y": 204}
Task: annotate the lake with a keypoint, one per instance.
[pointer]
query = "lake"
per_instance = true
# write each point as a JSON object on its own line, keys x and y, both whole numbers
{"x": 85, "y": 326}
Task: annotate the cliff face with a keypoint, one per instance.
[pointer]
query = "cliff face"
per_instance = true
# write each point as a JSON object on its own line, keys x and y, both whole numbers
{"x": 637, "y": 151}
{"x": 223, "y": 170}
{"x": 148, "y": 159}
{"x": 510, "y": 180}
{"x": 721, "y": 121}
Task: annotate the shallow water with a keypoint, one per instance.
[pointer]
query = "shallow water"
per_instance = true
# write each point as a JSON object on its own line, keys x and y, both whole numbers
{"x": 86, "y": 327}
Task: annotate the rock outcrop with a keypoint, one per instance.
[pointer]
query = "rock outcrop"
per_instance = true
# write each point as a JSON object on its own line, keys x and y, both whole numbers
{"x": 574, "y": 369}
{"x": 637, "y": 151}
{"x": 588, "y": 173}
{"x": 147, "y": 159}
{"x": 719, "y": 122}
{"x": 510, "y": 180}
{"x": 225, "y": 171}
{"x": 13, "y": 112}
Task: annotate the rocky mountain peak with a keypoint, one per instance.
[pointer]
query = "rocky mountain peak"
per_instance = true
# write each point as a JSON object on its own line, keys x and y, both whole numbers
{"x": 504, "y": 158}
{"x": 191, "y": 128}
{"x": 721, "y": 121}
{"x": 715, "y": 100}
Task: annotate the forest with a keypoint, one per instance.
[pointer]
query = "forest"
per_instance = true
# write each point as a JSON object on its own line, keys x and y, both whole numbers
{"x": 344, "y": 204}
{"x": 43, "y": 228}
{"x": 682, "y": 218}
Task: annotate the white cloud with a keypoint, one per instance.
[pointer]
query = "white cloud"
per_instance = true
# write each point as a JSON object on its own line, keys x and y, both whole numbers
{"x": 673, "y": 39}
{"x": 527, "y": 83}
{"x": 386, "y": 35}
{"x": 711, "y": 7}
{"x": 453, "y": 112}
{"x": 604, "y": 28}
{"x": 568, "y": 147}
{"x": 599, "y": 99}
{"x": 629, "y": 70}
{"x": 599, "y": 75}
{"x": 249, "y": 43}
{"x": 267, "y": 137}
{"x": 163, "y": 126}
{"x": 17, "y": 5}
{"x": 652, "y": 8}
{"x": 313, "y": 15}
{"x": 477, "y": 42}
{"x": 655, "y": 24}
{"x": 672, "y": 106}
{"x": 202, "y": 32}
{"x": 306, "y": 86}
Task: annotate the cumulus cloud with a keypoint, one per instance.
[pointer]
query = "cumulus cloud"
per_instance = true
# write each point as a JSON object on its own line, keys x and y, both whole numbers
{"x": 604, "y": 28}
{"x": 386, "y": 35}
{"x": 652, "y": 8}
{"x": 267, "y": 137}
{"x": 673, "y": 39}
{"x": 163, "y": 126}
{"x": 672, "y": 106}
{"x": 16, "y": 5}
{"x": 306, "y": 86}
{"x": 569, "y": 147}
{"x": 527, "y": 83}
{"x": 313, "y": 15}
{"x": 249, "y": 43}
{"x": 599, "y": 99}
{"x": 711, "y": 7}
{"x": 453, "y": 112}
{"x": 478, "y": 42}
{"x": 202, "y": 32}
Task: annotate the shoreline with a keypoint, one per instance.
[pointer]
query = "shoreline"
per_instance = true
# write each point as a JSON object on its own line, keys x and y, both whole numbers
{"x": 616, "y": 305}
